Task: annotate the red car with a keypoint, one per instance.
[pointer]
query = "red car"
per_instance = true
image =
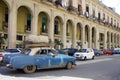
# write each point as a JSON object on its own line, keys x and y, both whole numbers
{"x": 107, "y": 52}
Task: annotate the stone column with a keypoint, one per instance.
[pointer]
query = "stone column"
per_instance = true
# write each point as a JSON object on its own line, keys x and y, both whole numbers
{"x": 12, "y": 26}
{"x": 90, "y": 38}
{"x": 74, "y": 35}
{"x": 105, "y": 40}
{"x": 97, "y": 40}
{"x": 64, "y": 32}
{"x": 109, "y": 40}
{"x": 83, "y": 37}
{"x": 51, "y": 26}
{"x": 34, "y": 22}
{"x": 113, "y": 41}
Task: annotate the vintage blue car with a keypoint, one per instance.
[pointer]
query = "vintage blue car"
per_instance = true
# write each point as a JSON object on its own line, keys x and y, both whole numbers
{"x": 38, "y": 58}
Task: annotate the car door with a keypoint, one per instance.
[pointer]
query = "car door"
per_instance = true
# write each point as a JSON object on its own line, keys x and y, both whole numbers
{"x": 89, "y": 53}
{"x": 55, "y": 59}
{"x": 41, "y": 58}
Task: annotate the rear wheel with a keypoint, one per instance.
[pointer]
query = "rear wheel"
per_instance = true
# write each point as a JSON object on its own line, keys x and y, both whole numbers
{"x": 69, "y": 65}
{"x": 29, "y": 69}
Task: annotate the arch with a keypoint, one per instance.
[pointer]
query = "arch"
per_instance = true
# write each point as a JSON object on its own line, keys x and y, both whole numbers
{"x": 69, "y": 33}
{"x": 58, "y": 23}
{"x": 7, "y": 3}
{"x": 87, "y": 29}
{"x": 4, "y": 20}
{"x": 43, "y": 23}
{"x": 24, "y": 18}
{"x": 79, "y": 28}
{"x": 87, "y": 40}
{"x": 29, "y": 8}
{"x": 69, "y": 28}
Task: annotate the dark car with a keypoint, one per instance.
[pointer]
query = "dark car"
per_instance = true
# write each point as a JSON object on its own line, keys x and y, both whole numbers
{"x": 97, "y": 52}
{"x": 116, "y": 52}
{"x": 70, "y": 51}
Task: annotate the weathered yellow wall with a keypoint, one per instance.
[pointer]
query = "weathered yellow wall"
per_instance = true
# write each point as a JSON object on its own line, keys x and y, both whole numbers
{"x": 2, "y": 12}
{"x": 70, "y": 28}
{"x": 78, "y": 33}
{"x": 21, "y": 20}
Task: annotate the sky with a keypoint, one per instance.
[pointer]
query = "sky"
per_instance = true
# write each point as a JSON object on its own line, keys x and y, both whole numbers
{"x": 114, "y": 4}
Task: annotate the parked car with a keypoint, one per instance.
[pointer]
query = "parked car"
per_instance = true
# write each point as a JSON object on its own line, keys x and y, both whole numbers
{"x": 1, "y": 56}
{"x": 107, "y": 52}
{"x": 70, "y": 51}
{"x": 38, "y": 58}
{"x": 85, "y": 54}
{"x": 116, "y": 51}
{"x": 15, "y": 51}
{"x": 97, "y": 52}
{"x": 8, "y": 51}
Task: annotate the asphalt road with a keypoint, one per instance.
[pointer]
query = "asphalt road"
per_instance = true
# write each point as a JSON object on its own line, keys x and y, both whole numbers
{"x": 102, "y": 68}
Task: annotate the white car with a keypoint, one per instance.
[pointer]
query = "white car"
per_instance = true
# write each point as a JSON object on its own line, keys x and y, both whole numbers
{"x": 8, "y": 51}
{"x": 85, "y": 54}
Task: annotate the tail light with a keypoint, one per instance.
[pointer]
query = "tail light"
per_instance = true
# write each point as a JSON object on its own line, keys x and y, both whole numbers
{"x": 1, "y": 55}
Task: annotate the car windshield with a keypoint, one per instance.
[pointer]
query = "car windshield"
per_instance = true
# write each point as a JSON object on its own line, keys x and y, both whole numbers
{"x": 26, "y": 51}
{"x": 11, "y": 50}
{"x": 82, "y": 50}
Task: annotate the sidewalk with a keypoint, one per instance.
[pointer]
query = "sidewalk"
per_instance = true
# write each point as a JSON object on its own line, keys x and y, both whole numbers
{"x": 3, "y": 77}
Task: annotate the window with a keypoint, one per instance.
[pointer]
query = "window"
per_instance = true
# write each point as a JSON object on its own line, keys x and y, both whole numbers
{"x": 70, "y": 3}
{"x": 44, "y": 24}
{"x": 43, "y": 52}
{"x": 28, "y": 25}
{"x": 6, "y": 15}
{"x": 80, "y": 8}
{"x": 108, "y": 19}
{"x": 93, "y": 12}
{"x": 67, "y": 33}
{"x": 99, "y": 15}
{"x": 103, "y": 16}
{"x": 111, "y": 21}
{"x": 56, "y": 25}
{"x": 19, "y": 37}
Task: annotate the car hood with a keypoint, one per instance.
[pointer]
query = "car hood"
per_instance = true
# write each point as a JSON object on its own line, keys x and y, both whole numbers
{"x": 80, "y": 53}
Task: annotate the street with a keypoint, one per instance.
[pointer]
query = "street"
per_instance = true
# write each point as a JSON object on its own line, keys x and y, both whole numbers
{"x": 105, "y": 67}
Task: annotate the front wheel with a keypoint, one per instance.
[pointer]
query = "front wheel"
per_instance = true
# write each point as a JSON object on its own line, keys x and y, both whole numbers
{"x": 69, "y": 65}
{"x": 29, "y": 69}
{"x": 93, "y": 57}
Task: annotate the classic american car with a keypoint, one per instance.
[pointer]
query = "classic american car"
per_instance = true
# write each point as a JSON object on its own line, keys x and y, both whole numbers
{"x": 32, "y": 59}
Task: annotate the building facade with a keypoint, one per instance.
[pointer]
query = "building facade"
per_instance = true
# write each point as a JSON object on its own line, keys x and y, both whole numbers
{"x": 78, "y": 23}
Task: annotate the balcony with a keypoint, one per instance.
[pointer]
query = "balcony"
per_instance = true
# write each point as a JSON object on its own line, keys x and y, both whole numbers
{"x": 58, "y": 3}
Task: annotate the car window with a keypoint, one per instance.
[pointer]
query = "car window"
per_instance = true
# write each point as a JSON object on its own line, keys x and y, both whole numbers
{"x": 26, "y": 51}
{"x": 43, "y": 52}
{"x": 83, "y": 50}
{"x": 12, "y": 50}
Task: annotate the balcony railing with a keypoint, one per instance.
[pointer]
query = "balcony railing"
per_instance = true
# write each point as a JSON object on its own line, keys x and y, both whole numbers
{"x": 58, "y": 3}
